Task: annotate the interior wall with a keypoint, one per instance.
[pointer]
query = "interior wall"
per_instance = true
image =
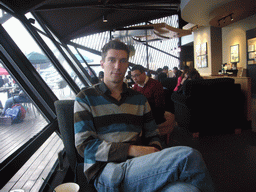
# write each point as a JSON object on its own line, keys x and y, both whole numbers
{"x": 216, "y": 47}
{"x": 219, "y": 48}
{"x": 202, "y": 35}
{"x": 211, "y": 35}
{"x": 236, "y": 34}
{"x": 187, "y": 56}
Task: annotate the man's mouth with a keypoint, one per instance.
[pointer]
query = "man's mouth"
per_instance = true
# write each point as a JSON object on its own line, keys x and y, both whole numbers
{"x": 117, "y": 73}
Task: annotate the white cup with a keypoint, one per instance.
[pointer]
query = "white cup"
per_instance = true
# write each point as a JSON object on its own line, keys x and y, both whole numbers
{"x": 67, "y": 187}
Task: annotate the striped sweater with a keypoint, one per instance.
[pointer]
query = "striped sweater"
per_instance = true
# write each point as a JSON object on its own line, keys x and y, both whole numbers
{"x": 105, "y": 127}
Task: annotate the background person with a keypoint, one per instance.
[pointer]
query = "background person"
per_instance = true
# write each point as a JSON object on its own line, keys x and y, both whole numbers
{"x": 128, "y": 79}
{"x": 167, "y": 72}
{"x": 152, "y": 89}
{"x": 21, "y": 98}
{"x": 182, "y": 78}
{"x": 1, "y": 81}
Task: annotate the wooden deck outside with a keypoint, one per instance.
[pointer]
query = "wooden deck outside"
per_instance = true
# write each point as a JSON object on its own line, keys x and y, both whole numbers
{"x": 30, "y": 176}
{"x": 12, "y": 137}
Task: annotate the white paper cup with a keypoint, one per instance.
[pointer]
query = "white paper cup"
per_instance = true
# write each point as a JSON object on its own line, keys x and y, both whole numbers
{"x": 67, "y": 187}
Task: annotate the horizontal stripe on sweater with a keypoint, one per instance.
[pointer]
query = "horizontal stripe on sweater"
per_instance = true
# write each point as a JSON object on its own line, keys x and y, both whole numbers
{"x": 96, "y": 100}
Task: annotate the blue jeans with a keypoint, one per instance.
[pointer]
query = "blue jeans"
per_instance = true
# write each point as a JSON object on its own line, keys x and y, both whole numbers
{"x": 157, "y": 172}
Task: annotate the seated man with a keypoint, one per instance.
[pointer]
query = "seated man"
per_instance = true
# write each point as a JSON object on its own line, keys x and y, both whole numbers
{"x": 118, "y": 138}
{"x": 1, "y": 81}
{"x": 21, "y": 98}
{"x": 152, "y": 90}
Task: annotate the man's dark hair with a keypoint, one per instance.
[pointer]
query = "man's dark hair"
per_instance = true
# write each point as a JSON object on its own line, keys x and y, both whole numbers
{"x": 159, "y": 70}
{"x": 194, "y": 74}
{"x": 165, "y": 68}
{"x": 162, "y": 77}
{"x": 175, "y": 68}
{"x": 114, "y": 44}
{"x": 138, "y": 67}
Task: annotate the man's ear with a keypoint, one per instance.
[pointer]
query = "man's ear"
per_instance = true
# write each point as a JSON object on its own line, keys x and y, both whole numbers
{"x": 102, "y": 64}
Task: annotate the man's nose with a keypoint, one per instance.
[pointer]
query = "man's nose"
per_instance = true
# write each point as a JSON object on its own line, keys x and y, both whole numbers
{"x": 117, "y": 64}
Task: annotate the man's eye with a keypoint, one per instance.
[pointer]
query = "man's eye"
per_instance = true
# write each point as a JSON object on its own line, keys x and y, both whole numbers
{"x": 123, "y": 60}
{"x": 112, "y": 60}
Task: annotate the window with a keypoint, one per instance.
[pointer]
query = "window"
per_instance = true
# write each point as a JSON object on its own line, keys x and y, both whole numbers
{"x": 14, "y": 134}
{"x": 33, "y": 134}
{"x": 39, "y": 60}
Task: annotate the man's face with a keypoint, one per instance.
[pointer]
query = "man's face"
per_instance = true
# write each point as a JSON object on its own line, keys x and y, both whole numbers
{"x": 138, "y": 77}
{"x": 115, "y": 65}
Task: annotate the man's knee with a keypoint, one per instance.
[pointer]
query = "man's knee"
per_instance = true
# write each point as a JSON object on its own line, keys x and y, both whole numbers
{"x": 183, "y": 155}
{"x": 193, "y": 153}
{"x": 112, "y": 175}
{"x": 183, "y": 151}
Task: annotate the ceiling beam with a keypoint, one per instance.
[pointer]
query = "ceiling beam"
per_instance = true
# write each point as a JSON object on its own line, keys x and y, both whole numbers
{"x": 124, "y": 6}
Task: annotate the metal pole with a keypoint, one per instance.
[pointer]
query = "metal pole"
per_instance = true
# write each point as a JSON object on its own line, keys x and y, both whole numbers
{"x": 147, "y": 49}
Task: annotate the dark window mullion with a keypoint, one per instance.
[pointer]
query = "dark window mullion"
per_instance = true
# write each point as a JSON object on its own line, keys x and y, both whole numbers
{"x": 79, "y": 65}
{"x": 20, "y": 67}
{"x": 49, "y": 54}
{"x": 61, "y": 51}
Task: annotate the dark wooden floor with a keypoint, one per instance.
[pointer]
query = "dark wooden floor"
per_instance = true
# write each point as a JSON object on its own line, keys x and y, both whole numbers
{"x": 230, "y": 158}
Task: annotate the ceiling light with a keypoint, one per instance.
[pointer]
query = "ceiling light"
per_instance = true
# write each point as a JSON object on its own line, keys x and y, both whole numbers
{"x": 231, "y": 18}
{"x": 105, "y": 19}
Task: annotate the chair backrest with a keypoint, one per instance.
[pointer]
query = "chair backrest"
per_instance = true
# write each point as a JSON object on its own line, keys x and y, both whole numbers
{"x": 192, "y": 87}
{"x": 65, "y": 117}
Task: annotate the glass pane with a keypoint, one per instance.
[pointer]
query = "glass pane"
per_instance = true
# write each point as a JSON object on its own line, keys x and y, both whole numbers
{"x": 99, "y": 72}
{"x": 73, "y": 75}
{"x": 67, "y": 94}
{"x": 39, "y": 60}
{"x": 16, "y": 130}
{"x": 90, "y": 58}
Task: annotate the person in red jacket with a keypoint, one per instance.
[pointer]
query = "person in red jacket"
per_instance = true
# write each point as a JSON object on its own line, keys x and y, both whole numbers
{"x": 152, "y": 89}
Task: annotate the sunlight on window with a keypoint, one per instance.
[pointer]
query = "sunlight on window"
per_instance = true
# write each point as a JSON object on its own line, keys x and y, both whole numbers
{"x": 92, "y": 59}
{"x": 39, "y": 60}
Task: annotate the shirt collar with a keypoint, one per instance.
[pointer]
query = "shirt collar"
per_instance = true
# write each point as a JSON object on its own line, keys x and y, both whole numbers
{"x": 146, "y": 80}
{"x": 103, "y": 87}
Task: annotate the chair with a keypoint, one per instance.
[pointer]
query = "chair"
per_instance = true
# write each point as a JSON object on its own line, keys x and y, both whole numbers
{"x": 210, "y": 106}
{"x": 64, "y": 111}
{"x": 30, "y": 107}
